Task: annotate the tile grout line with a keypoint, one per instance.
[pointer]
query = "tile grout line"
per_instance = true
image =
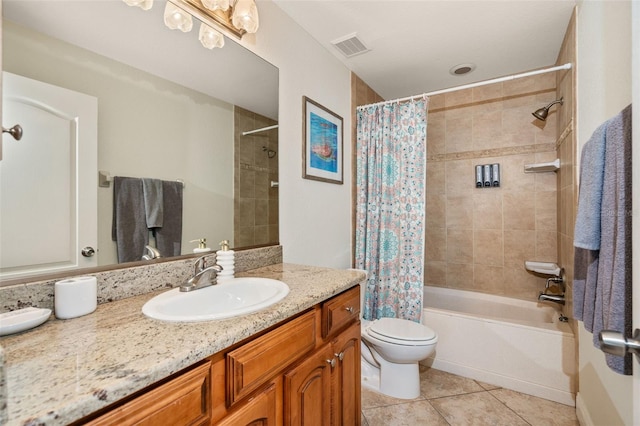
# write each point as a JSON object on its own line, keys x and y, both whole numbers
{"x": 509, "y": 408}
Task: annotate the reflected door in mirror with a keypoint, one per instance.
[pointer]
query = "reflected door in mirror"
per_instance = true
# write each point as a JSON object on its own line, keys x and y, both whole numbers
{"x": 47, "y": 178}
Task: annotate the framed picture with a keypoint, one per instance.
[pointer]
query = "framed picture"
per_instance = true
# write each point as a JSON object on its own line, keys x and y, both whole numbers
{"x": 322, "y": 145}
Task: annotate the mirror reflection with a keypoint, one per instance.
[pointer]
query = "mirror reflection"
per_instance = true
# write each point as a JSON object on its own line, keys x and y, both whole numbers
{"x": 167, "y": 109}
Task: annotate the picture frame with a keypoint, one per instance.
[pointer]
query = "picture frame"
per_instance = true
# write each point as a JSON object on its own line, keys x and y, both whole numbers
{"x": 322, "y": 145}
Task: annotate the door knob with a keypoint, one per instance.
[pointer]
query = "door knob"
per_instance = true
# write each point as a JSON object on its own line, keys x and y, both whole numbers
{"x": 615, "y": 343}
{"x": 88, "y": 251}
{"x": 15, "y": 131}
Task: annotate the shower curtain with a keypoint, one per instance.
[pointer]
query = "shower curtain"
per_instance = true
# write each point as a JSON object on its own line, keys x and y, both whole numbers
{"x": 390, "y": 207}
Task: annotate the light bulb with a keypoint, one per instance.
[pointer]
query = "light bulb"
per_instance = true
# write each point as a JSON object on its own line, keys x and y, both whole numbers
{"x": 142, "y": 4}
{"x": 216, "y": 4}
{"x": 209, "y": 37}
{"x": 245, "y": 16}
{"x": 177, "y": 19}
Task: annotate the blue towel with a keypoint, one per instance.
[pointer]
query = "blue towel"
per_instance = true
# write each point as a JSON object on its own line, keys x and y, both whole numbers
{"x": 153, "y": 202}
{"x": 587, "y": 228}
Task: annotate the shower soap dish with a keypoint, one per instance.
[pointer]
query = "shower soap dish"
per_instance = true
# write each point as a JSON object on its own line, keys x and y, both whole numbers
{"x": 545, "y": 268}
{"x": 22, "y": 319}
{"x": 551, "y": 166}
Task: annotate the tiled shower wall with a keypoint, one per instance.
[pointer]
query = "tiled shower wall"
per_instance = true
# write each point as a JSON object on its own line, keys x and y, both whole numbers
{"x": 255, "y": 219}
{"x": 478, "y": 239}
{"x": 567, "y": 151}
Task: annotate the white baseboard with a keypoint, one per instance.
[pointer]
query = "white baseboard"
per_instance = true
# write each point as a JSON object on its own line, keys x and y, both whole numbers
{"x": 584, "y": 418}
{"x": 506, "y": 382}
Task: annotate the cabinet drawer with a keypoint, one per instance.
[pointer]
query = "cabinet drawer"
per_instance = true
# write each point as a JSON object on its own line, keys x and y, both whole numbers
{"x": 340, "y": 311}
{"x": 181, "y": 401}
{"x": 253, "y": 364}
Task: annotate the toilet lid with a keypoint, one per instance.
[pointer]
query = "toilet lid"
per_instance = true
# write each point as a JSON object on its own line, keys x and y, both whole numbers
{"x": 400, "y": 330}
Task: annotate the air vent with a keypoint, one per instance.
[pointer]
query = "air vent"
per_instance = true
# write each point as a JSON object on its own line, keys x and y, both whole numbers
{"x": 350, "y": 45}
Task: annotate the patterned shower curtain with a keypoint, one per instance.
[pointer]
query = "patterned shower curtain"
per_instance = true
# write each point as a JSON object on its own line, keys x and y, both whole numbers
{"x": 390, "y": 207}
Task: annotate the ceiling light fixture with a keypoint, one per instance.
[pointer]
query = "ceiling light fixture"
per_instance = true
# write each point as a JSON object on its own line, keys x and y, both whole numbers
{"x": 235, "y": 17}
{"x": 462, "y": 69}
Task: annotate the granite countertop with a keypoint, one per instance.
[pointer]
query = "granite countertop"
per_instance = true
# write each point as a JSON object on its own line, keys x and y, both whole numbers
{"x": 66, "y": 369}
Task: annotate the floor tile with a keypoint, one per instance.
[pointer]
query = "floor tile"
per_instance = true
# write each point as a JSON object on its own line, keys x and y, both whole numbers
{"x": 437, "y": 383}
{"x": 487, "y": 386}
{"x": 372, "y": 399}
{"x": 476, "y": 409}
{"x": 363, "y": 420}
{"x": 537, "y": 411}
{"x": 406, "y": 414}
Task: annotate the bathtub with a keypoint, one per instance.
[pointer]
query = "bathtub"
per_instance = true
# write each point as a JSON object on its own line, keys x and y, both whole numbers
{"x": 511, "y": 343}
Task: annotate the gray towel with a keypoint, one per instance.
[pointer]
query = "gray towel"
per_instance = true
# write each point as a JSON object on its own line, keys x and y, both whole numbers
{"x": 613, "y": 291}
{"x": 169, "y": 237}
{"x": 602, "y": 278}
{"x": 129, "y": 228}
{"x": 587, "y": 228}
{"x": 153, "y": 204}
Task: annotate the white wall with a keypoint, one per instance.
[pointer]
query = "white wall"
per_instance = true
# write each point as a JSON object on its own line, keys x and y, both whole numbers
{"x": 604, "y": 89}
{"x": 315, "y": 217}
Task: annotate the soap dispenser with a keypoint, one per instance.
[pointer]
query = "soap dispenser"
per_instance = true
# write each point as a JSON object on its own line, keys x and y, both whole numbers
{"x": 202, "y": 245}
{"x": 226, "y": 259}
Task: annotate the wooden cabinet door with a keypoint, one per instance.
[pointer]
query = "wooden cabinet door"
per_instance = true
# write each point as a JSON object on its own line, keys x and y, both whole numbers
{"x": 307, "y": 390}
{"x": 346, "y": 380}
{"x": 261, "y": 410}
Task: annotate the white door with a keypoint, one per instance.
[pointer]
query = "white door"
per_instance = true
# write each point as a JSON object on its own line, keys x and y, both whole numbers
{"x": 48, "y": 179}
{"x": 635, "y": 84}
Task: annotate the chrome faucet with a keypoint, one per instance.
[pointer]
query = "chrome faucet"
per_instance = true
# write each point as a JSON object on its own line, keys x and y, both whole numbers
{"x": 554, "y": 297}
{"x": 151, "y": 253}
{"x": 203, "y": 276}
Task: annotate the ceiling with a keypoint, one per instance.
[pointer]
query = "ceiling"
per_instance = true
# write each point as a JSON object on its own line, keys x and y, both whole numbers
{"x": 239, "y": 77}
{"x": 414, "y": 44}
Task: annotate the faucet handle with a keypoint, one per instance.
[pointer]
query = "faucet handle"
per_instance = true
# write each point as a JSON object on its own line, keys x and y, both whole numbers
{"x": 201, "y": 262}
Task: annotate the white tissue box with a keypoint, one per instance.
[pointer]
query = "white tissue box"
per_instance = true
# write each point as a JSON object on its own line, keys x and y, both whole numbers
{"x": 75, "y": 297}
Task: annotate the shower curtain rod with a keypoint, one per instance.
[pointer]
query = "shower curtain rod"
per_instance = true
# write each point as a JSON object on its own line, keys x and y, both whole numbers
{"x": 477, "y": 84}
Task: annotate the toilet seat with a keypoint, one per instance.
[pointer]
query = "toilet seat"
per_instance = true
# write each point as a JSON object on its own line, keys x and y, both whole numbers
{"x": 401, "y": 332}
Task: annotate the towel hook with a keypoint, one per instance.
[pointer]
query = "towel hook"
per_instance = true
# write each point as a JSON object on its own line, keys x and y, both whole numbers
{"x": 15, "y": 131}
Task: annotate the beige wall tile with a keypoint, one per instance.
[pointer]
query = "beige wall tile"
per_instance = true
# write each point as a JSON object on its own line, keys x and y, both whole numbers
{"x": 436, "y": 178}
{"x": 519, "y": 210}
{"x": 436, "y": 211}
{"x": 488, "y": 247}
{"x": 546, "y": 211}
{"x": 460, "y": 275}
{"x": 459, "y": 212}
{"x": 459, "y": 246}
{"x": 460, "y": 176}
{"x": 435, "y": 273}
{"x": 435, "y": 244}
{"x": 458, "y": 134}
{"x": 487, "y": 209}
{"x": 519, "y": 246}
{"x": 488, "y": 279}
{"x": 547, "y": 246}
{"x": 487, "y": 130}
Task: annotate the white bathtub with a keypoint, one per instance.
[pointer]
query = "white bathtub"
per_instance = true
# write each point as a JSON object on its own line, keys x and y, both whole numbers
{"x": 511, "y": 343}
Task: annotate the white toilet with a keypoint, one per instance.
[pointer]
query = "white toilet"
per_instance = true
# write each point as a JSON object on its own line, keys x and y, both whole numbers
{"x": 391, "y": 350}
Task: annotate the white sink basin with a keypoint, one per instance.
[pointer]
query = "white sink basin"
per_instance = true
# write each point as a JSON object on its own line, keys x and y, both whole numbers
{"x": 229, "y": 298}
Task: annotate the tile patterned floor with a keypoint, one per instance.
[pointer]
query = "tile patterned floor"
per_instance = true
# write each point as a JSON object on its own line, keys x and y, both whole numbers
{"x": 449, "y": 400}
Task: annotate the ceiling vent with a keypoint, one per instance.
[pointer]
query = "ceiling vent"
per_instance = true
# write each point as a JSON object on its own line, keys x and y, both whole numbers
{"x": 350, "y": 45}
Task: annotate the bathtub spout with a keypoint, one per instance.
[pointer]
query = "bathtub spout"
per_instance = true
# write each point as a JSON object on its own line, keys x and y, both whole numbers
{"x": 555, "y": 298}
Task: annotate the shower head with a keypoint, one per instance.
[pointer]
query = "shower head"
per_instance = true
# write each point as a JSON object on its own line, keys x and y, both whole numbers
{"x": 541, "y": 114}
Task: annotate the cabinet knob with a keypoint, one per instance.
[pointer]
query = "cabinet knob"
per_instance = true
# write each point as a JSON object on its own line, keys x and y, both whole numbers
{"x": 332, "y": 362}
{"x": 340, "y": 356}
{"x": 350, "y": 309}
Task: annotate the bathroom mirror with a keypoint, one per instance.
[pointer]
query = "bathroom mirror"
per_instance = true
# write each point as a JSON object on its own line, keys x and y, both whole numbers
{"x": 125, "y": 54}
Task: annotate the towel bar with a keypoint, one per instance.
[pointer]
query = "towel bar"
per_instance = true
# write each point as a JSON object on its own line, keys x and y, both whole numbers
{"x": 105, "y": 179}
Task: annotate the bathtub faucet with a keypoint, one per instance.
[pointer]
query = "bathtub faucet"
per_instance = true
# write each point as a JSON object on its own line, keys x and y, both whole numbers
{"x": 555, "y": 298}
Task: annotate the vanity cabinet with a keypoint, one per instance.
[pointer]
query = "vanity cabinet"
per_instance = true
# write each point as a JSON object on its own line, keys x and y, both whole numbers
{"x": 305, "y": 370}
{"x": 325, "y": 388}
{"x": 183, "y": 400}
